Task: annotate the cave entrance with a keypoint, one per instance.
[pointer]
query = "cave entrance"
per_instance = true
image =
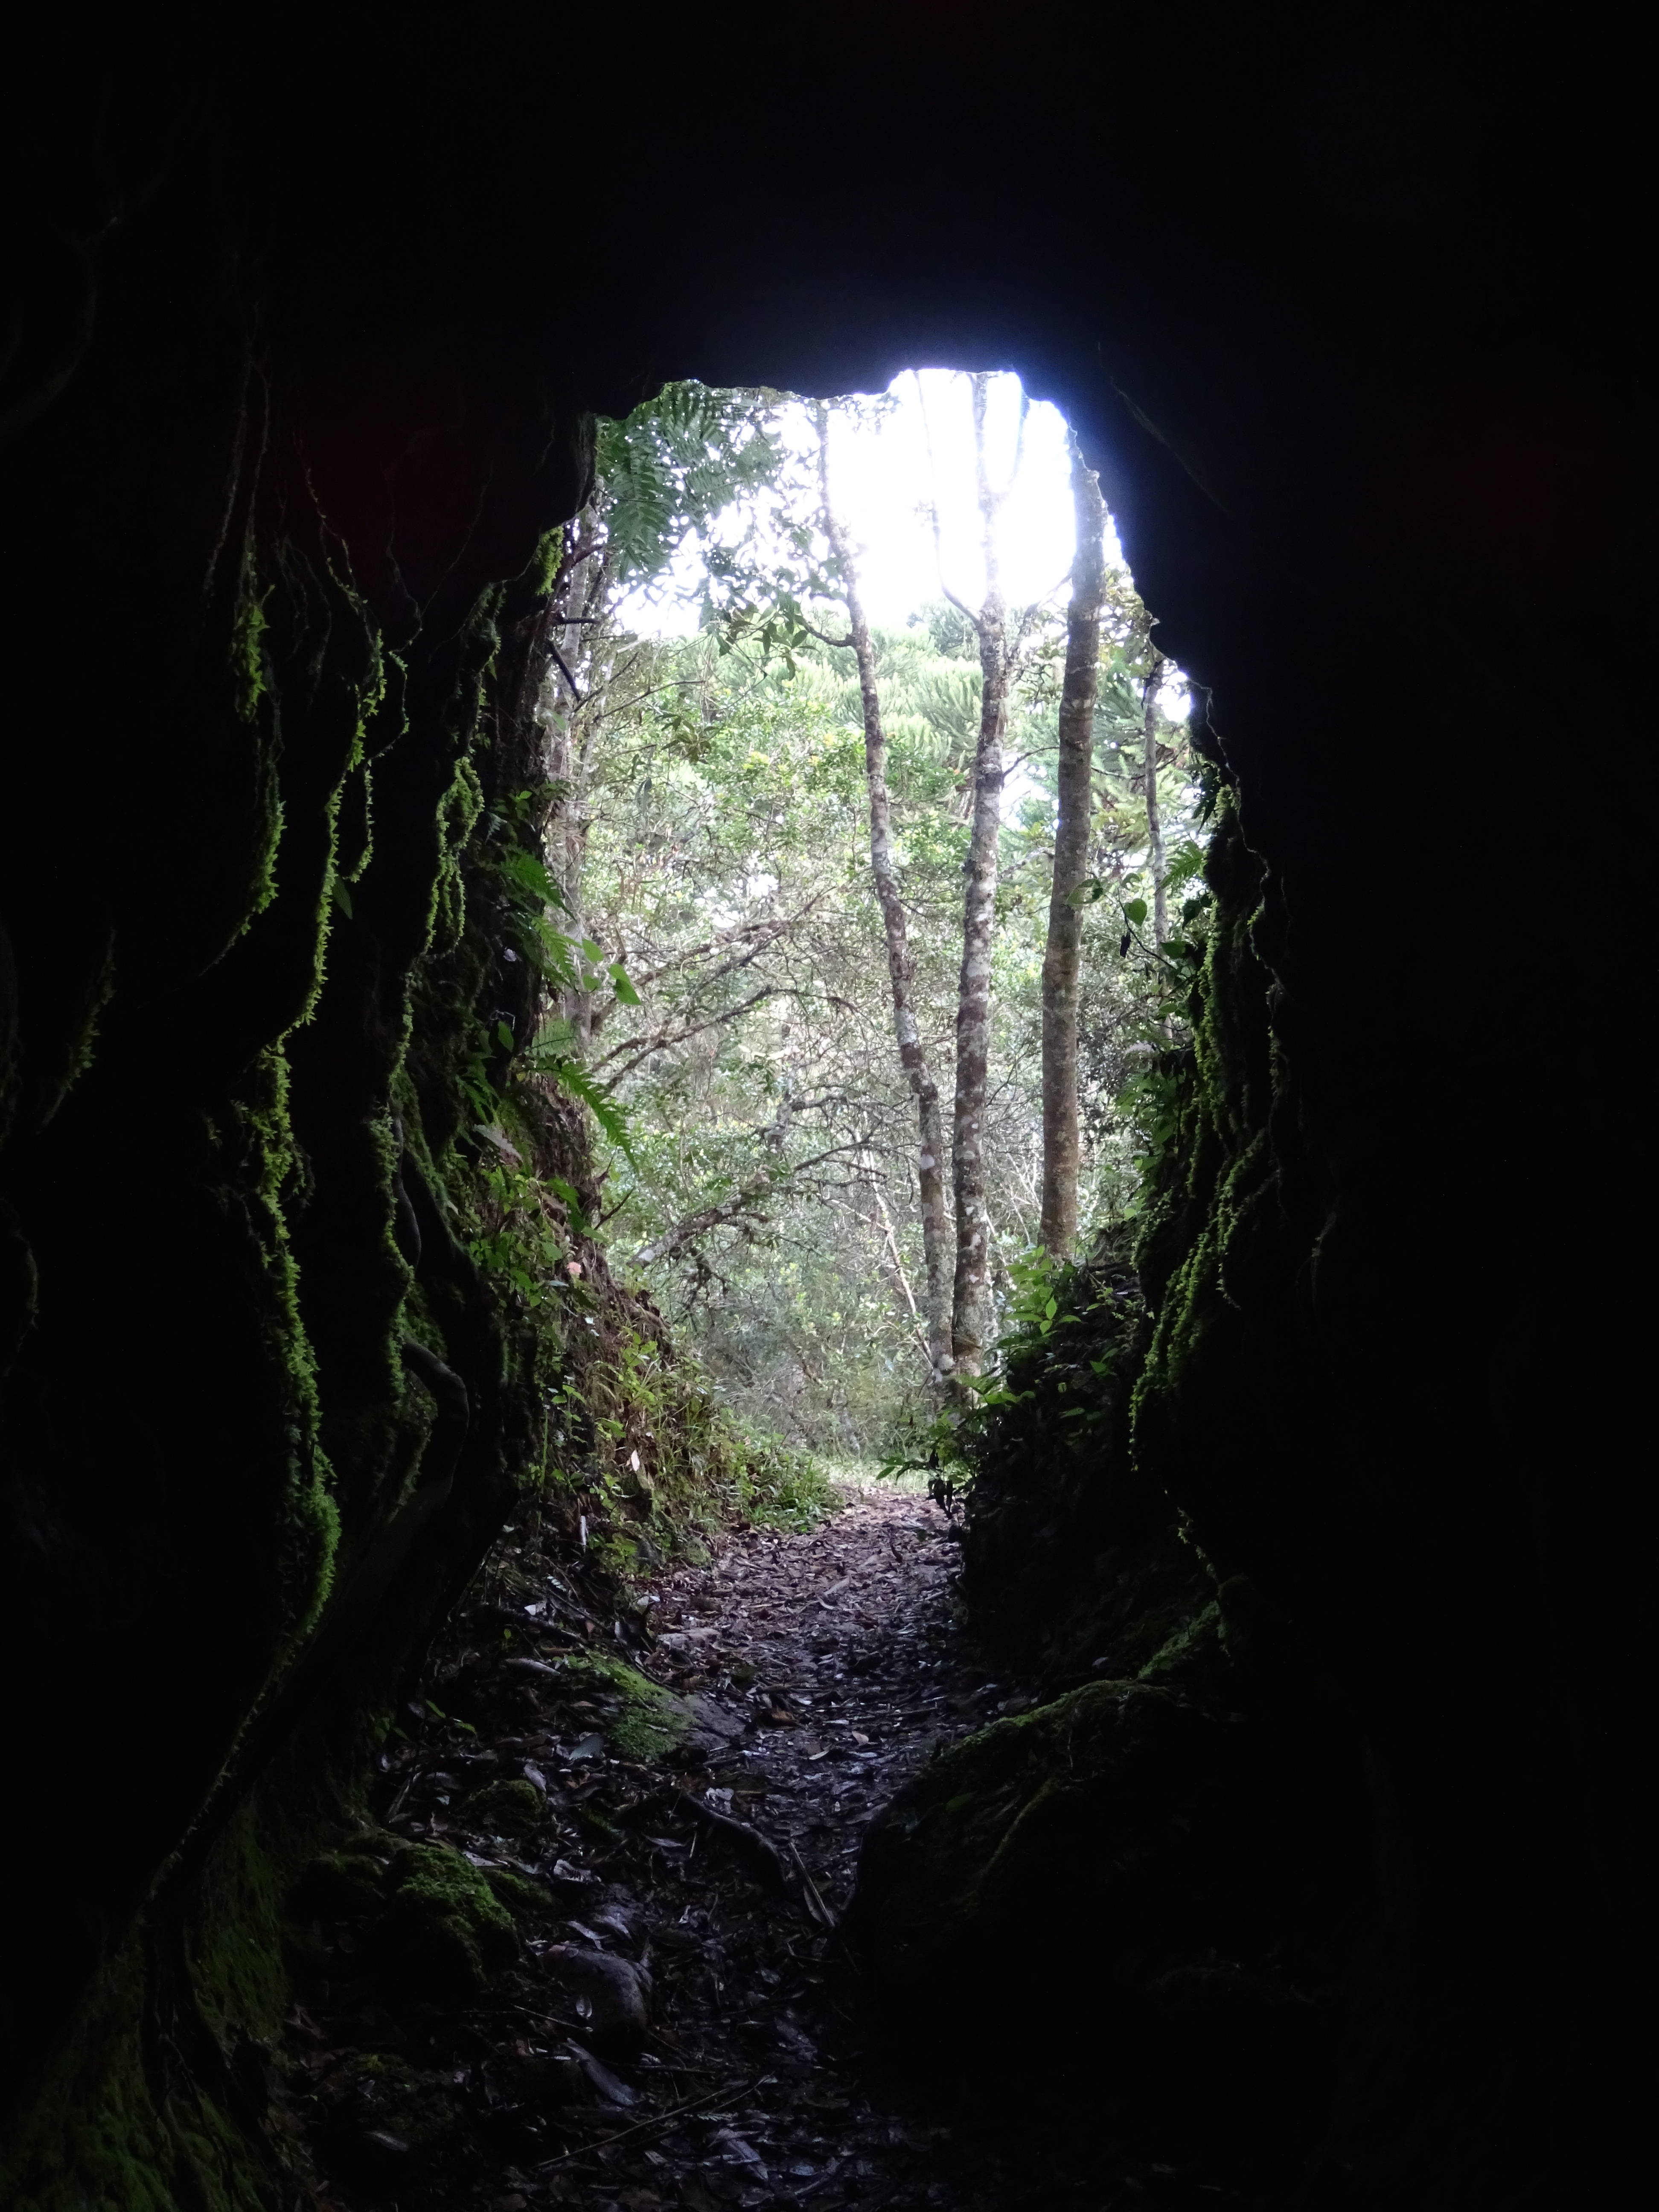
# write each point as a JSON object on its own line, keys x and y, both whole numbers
{"x": 787, "y": 641}
{"x": 761, "y": 733}
{"x": 298, "y": 391}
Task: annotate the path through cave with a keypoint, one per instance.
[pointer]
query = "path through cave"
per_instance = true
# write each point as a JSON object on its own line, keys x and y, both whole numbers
{"x": 304, "y": 346}
{"x": 681, "y": 2029}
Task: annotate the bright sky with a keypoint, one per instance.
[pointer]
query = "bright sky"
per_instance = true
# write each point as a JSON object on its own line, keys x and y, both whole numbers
{"x": 886, "y": 472}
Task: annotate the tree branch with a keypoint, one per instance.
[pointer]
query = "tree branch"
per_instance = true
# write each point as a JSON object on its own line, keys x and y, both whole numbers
{"x": 748, "y": 1198}
{"x": 663, "y": 1039}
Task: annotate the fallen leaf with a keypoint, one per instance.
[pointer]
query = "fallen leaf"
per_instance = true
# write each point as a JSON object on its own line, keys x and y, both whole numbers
{"x": 736, "y": 2151}
{"x": 609, "y": 2087}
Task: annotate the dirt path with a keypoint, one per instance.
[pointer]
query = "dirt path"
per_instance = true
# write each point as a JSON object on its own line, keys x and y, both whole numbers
{"x": 678, "y": 2029}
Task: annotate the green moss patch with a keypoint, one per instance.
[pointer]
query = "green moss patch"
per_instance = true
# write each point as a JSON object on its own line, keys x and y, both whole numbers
{"x": 642, "y": 1719}
{"x": 444, "y": 1934}
{"x": 374, "y": 2095}
{"x": 1101, "y": 1888}
{"x": 514, "y": 1809}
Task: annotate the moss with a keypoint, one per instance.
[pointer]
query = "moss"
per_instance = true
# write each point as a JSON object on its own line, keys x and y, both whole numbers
{"x": 458, "y": 812}
{"x": 642, "y": 1720}
{"x": 235, "y": 1946}
{"x": 960, "y": 1874}
{"x": 1193, "y": 1642}
{"x": 215, "y": 1412}
{"x": 538, "y": 578}
{"x": 507, "y": 1808}
{"x": 444, "y": 1934}
{"x": 528, "y": 1902}
{"x": 1217, "y": 1405}
{"x": 375, "y": 2090}
{"x": 340, "y": 1884}
{"x": 92, "y": 2135}
{"x": 1117, "y": 1871}
{"x": 1067, "y": 1553}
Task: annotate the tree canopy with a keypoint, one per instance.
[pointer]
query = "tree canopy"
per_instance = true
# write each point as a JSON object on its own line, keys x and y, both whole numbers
{"x": 726, "y": 1004}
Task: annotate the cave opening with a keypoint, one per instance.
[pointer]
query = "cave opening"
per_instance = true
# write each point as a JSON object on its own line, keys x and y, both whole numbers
{"x": 1325, "y": 1876}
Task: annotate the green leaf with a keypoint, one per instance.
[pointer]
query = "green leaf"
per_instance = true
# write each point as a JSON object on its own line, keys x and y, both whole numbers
{"x": 595, "y": 952}
{"x": 573, "y": 1077}
{"x": 625, "y": 991}
{"x": 1134, "y": 912}
{"x": 342, "y": 898}
{"x": 504, "y": 1037}
{"x": 527, "y": 872}
{"x": 1052, "y": 1307}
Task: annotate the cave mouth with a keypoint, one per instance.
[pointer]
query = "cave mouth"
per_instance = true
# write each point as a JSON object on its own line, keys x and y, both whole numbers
{"x": 290, "y": 444}
{"x": 784, "y": 633}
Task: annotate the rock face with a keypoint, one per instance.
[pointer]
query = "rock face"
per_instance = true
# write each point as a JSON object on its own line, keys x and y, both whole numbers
{"x": 288, "y": 434}
{"x": 1126, "y": 1895}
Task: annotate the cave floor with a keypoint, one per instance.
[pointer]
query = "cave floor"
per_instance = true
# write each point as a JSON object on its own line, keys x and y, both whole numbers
{"x": 821, "y": 1670}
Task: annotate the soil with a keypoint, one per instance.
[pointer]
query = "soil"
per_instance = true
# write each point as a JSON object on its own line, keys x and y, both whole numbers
{"x": 715, "y": 2058}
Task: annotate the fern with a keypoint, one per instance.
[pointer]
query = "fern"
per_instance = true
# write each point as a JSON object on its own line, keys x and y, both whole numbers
{"x": 547, "y": 1059}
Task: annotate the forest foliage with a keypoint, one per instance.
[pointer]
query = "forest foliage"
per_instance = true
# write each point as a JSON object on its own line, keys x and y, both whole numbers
{"x": 715, "y": 984}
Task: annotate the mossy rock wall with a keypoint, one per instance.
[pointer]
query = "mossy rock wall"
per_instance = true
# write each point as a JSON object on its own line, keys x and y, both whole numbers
{"x": 1280, "y": 1445}
{"x": 255, "y": 950}
{"x": 1106, "y": 1906}
{"x": 295, "y": 364}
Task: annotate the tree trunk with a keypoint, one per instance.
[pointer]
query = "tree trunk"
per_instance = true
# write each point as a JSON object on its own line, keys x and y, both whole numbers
{"x": 1058, "y": 1231}
{"x": 930, "y": 1164}
{"x": 562, "y": 719}
{"x": 1154, "y": 821}
{"x": 972, "y": 1317}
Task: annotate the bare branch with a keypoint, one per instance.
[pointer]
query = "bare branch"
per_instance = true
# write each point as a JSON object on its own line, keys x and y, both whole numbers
{"x": 663, "y": 1039}
{"x": 773, "y": 927}
{"x": 576, "y": 692}
{"x": 749, "y": 1198}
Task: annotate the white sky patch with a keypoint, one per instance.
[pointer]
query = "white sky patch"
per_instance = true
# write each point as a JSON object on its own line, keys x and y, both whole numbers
{"x": 890, "y": 465}
{"x": 884, "y": 483}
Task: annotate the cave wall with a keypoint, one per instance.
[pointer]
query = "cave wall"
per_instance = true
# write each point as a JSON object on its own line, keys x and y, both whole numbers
{"x": 304, "y": 344}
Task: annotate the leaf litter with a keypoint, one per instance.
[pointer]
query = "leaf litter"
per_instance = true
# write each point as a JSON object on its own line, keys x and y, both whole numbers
{"x": 679, "y": 2027}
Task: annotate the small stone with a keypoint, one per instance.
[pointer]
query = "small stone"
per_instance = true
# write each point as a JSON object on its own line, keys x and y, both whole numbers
{"x": 617, "y": 1990}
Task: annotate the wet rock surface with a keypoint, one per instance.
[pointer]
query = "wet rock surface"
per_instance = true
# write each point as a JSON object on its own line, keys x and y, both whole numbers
{"x": 674, "y": 1835}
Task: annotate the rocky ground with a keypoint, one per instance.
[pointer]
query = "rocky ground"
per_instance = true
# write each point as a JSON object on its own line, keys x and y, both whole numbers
{"x": 589, "y": 1953}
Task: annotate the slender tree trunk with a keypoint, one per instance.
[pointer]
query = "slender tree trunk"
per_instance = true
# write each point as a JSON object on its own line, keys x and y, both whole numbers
{"x": 972, "y": 1318}
{"x": 569, "y": 716}
{"x": 930, "y": 1159}
{"x": 895, "y": 1257}
{"x": 1154, "y": 819}
{"x": 1058, "y": 1230}
{"x": 598, "y": 668}
{"x": 561, "y": 718}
